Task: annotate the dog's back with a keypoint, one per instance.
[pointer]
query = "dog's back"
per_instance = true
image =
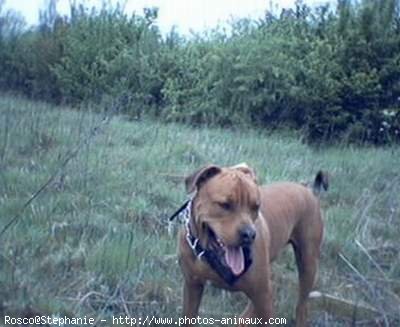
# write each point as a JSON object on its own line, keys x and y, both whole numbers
{"x": 289, "y": 208}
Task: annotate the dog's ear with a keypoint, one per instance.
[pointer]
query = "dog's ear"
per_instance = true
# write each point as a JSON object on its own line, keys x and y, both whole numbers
{"x": 245, "y": 169}
{"x": 195, "y": 180}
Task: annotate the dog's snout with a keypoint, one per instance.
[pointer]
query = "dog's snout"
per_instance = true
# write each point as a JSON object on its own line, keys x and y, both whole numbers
{"x": 247, "y": 234}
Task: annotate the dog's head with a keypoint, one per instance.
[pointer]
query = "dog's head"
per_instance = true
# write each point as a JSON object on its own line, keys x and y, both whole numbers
{"x": 225, "y": 208}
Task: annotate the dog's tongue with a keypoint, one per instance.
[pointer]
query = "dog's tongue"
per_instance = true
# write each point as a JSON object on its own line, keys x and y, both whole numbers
{"x": 234, "y": 257}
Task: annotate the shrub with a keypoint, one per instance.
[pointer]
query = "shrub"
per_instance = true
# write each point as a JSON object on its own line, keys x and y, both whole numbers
{"x": 333, "y": 73}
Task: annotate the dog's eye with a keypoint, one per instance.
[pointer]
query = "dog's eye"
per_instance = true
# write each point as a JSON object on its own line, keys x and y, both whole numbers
{"x": 255, "y": 207}
{"x": 226, "y": 205}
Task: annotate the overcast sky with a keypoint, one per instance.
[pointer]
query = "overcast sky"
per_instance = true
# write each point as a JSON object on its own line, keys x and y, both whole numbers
{"x": 187, "y": 15}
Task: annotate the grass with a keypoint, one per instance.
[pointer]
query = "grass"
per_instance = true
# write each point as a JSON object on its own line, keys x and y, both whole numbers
{"x": 95, "y": 242}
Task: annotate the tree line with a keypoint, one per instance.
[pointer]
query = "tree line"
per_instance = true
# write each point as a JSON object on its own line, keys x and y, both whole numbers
{"x": 331, "y": 71}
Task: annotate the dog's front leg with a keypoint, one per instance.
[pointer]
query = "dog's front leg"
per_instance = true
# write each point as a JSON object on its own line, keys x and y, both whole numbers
{"x": 192, "y": 294}
{"x": 261, "y": 305}
{"x": 247, "y": 313}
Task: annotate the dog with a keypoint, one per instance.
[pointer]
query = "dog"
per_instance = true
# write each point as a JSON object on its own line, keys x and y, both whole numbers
{"x": 235, "y": 228}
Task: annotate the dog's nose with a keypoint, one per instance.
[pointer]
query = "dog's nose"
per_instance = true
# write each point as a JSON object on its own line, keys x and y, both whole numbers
{"x": 247, "y": 234}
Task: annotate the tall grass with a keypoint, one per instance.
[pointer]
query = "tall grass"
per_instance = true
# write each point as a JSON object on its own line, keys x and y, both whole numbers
{"x": 95, "y": 241}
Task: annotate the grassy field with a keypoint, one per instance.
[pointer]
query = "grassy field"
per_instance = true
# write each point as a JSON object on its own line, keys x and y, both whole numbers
{"x": 95, "y": 241}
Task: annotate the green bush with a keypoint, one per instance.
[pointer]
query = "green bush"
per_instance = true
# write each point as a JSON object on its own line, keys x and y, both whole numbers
{"x": 335, "y": 73}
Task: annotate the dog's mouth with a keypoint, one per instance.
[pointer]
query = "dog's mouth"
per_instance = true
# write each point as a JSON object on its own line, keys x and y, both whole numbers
{"x": 234, "y": 258}
{"x": 231, "y": 256}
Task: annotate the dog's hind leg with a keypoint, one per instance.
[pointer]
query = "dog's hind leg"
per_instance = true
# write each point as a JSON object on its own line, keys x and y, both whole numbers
{"x": 307, "y": 258}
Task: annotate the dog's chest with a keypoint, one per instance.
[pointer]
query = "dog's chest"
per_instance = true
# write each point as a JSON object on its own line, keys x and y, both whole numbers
{"x": 204, "y": 273}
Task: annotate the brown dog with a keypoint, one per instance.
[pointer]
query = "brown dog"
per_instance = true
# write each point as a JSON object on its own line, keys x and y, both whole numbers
{"x": 234, "y": 230}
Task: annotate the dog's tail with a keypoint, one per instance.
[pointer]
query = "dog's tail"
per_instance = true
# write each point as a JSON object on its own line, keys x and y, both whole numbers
{"x": 321, "y": 182}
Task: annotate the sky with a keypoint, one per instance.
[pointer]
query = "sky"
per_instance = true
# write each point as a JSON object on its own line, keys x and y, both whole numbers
{"x": 186, "y": 15}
